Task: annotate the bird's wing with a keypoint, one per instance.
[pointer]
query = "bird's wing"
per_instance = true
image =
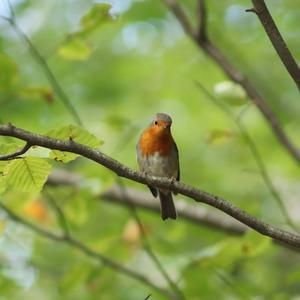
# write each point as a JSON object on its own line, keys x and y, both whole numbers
{"x": 178, "y": 173}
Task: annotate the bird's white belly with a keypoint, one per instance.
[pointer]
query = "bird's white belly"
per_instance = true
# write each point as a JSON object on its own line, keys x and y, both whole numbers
{"x": 161, "y": 166}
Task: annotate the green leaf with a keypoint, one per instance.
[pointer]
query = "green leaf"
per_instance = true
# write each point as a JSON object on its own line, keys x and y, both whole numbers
{"x": 230, "y": 92}
{"x": 75, "y": 49}
{"x": 218, "y": 136}
{"x": 27, "y": 174}
{"x": 97, "y": 15}
{"x": 77, "y": 134}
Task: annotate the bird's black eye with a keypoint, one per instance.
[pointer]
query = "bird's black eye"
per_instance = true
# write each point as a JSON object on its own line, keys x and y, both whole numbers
{"x": 155, "y": 122}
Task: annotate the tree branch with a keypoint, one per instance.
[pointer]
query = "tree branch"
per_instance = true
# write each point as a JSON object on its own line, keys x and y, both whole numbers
{"x": 197, "y": 215}
{"x": 60, "y": 216}
{"x": 255, "y": 153}
{"x": 180, "y": 15}
{"x": 213, "y": 52}
{"x": 16, "y": 154}
{"x": 202, "y": 20}
{"x": 162, "y": 183}
{"x": 72, "y": 242}
{"x": 261, "y": 10}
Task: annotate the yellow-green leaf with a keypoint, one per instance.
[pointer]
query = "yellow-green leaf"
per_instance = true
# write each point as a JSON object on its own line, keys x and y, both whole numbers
{"x": 77, "y": 134}
{"x": 27, "y": 174}
{"x": 96, "y": 16}
{"x": 218, "y": 136}
{"x": 76, "y": 46}
{"x": 75, "y": 49}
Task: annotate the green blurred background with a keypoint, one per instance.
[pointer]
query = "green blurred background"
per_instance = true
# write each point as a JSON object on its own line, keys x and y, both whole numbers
{"x": 118, "y": 71}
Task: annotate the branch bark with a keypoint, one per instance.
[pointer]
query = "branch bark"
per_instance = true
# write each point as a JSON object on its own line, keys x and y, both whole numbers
{"x": 203, "y": 42}
{"x": 163, "y": 183}
{"x": 255, "y": 153}
{"x": 16, "y": 154}
{"x": 197, "y": 215}
{"x": 261, "y": 10}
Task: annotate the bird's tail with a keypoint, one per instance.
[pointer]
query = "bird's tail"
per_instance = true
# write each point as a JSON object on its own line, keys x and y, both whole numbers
{"x": 167, "y": 205}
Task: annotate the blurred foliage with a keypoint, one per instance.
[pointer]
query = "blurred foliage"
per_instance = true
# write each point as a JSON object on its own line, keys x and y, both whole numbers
{"x": 120, "y": 65}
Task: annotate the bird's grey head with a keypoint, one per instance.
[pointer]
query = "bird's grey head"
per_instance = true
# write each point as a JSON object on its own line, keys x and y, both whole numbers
{"x": 163, "y": 120}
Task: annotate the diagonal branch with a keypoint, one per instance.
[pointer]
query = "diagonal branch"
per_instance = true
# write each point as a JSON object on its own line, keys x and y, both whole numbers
{"x": 215, "y": 54}
{"x": 162, "y": 183}
{"x": 60, "y": 216}
{"x": 255, "y": 153}
{"x": 202, "y": 20}
{"x": 261, "y": 10}
{"x": 72, "y": 242}
{"x": 197, "y": 215}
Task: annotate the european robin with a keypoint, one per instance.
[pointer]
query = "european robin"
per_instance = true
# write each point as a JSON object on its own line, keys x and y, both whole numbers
{"x": 157, "y": 155}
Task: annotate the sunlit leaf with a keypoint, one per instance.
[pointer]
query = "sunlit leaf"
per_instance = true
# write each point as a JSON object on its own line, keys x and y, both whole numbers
{"x": 27, "y": 174}
{"x": 96, "y": 16}
{"x": 76, "y": 46}
{"x": 77, "y": 134}
{"x": 75, "y": 49}
{"x": 230, "y": 92}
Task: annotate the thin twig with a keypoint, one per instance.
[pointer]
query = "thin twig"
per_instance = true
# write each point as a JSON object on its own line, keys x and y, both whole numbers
{"x": 234, "y": 74}
{"x": 255, "y": 153}
{"x": 11, "y": 10}
{"x": 158, "y": 182}
{"x": 86, "y": 250}
{"x": 202, "y": 20}
{"x": 16, "y": 154}
{"x": 44, "y": 65}
{"x": 60, "y": 216}
{"x": 272, "y": 31}
{"x": 147, "y": 245}
{"x": 180, "y": 14}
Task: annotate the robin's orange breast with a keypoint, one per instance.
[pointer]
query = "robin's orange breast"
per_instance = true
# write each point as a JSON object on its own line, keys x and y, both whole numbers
{"x": 153, "y": 140}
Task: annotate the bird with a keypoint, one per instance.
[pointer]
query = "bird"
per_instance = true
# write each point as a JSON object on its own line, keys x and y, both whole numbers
{"x": 157, "y": 155}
